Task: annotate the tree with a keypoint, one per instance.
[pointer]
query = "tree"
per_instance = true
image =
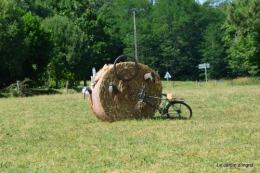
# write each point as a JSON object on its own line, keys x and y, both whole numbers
{"x": 175, "y": 25}
{"x": 13, "y": 46}
{"x": 68, "y": 41}
{"x": 212, "y": 48}
{"x": 242, "y": 37}
{"x": 24, "y": 45}
{"x": 41, "y": 8}
{"x": 39, "y": 47}
{"x": 94, "y": 19}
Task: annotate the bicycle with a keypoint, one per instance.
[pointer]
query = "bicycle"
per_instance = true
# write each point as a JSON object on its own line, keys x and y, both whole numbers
{"x": 126, "y": 72}
{"x": 172, "y": 108}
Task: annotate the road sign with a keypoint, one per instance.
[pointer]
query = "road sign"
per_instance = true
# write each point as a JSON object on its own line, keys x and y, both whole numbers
{"x": 203, "y": 66}
{"x": 167, "y": 75}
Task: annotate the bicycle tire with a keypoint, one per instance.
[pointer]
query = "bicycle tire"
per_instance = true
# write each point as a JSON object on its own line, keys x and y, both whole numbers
{"x": 178, "y": 109}
{"x": 128, "y": 72}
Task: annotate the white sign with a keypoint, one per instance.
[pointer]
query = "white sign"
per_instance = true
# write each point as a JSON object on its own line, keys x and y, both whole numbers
{"x": 167, "y": 75}
{"x": 205, "y": 65}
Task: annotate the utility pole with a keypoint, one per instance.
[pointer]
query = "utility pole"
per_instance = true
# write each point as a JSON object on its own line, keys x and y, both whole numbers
{"x": 136, "y": 56}
{"x": 135, "y": 37}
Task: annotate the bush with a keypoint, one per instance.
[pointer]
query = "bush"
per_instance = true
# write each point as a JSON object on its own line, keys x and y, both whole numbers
{"x": 19, "y": 89}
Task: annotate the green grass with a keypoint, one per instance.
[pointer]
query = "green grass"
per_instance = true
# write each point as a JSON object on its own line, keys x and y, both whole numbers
{"x": 59, "y": 133}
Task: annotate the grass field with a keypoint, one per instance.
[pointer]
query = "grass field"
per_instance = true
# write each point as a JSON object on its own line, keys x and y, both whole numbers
{"x": 59, "y": 133}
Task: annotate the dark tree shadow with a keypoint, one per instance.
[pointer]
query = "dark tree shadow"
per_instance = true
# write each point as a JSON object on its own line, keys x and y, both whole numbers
{"x": 2, "y": 96}
{"x": 168, "y": 118}
{"x": 45, "y": 91}
{"x": 77, "y": 89}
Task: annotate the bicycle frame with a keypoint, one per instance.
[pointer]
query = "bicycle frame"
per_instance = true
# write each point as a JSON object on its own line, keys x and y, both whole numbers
{"x": 163, "y": 108}
{"x": 159, "y": 108}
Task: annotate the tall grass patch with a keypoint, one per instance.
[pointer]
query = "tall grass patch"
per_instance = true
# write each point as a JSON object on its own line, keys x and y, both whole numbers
{"x": 245, "y": 81}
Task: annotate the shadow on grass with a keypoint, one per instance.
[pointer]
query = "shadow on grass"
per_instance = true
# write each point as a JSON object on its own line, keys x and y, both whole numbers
{"x": 33, "y": 92}
{"x": 77, "y": 89}
{"x": 45, "y": 91}
{"x": 168, "y": 118}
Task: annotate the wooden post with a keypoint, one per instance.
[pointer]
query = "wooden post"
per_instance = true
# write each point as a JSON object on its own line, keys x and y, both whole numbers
{"x": 18, "y": 85}
{"x": 136, "y": 57}
{"x": 67, "y": 85}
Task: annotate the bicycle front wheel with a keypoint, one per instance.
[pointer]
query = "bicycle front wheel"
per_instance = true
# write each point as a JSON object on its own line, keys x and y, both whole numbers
{"x": 178, "y": 109}
{"x": 126, "y": 71}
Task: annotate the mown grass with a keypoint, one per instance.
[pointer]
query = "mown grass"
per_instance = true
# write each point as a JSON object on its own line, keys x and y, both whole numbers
{"x": 59, "y": 133}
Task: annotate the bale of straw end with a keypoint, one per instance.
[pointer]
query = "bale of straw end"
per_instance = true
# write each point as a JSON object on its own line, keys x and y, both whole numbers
{"x": 124, "y": 104}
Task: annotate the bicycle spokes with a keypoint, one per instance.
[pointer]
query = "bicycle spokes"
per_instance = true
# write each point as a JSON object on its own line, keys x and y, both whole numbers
{"x": 177, "y": 109}
{"x": 125, "y": 66}
{"x": 125, "y": 69}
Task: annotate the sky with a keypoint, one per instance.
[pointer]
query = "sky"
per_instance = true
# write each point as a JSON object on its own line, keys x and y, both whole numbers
{"x": 201, "y": 1}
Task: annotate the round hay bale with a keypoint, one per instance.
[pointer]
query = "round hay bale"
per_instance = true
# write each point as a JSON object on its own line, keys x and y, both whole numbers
{"x": 123, "y": 102}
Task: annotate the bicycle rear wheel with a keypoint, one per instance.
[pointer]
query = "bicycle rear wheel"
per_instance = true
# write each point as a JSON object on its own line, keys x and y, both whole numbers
{"x": 125, "y": 72}
{"x": 178, "y": 109}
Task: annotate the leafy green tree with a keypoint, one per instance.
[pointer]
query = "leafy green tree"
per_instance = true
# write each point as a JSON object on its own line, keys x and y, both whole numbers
{"x": 101, "y": 44}
{"x": 68, "y": 41}
{"x": 172, "y": 35}
{"x": 212, "y": 48}
{"x": 13, "y": 47}
{"x": 123, "y": 12}
{"x": 39, "y": 48}
{"x": 176, "y": 29}
{"x": 242, "y": 37}
{"x": 24, "y": 45}
{"x": 41, "y": 8}
{"x": 122, "y": 26}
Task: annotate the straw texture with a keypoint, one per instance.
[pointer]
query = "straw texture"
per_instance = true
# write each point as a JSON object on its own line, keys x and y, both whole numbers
{"x": 123, "y": 103}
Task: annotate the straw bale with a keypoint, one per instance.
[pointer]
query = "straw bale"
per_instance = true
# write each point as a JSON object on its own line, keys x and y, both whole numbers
{"x": 124, "y": 104}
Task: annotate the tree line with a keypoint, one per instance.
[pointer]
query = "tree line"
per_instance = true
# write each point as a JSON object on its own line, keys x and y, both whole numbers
{"x": 52, "y": 41}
